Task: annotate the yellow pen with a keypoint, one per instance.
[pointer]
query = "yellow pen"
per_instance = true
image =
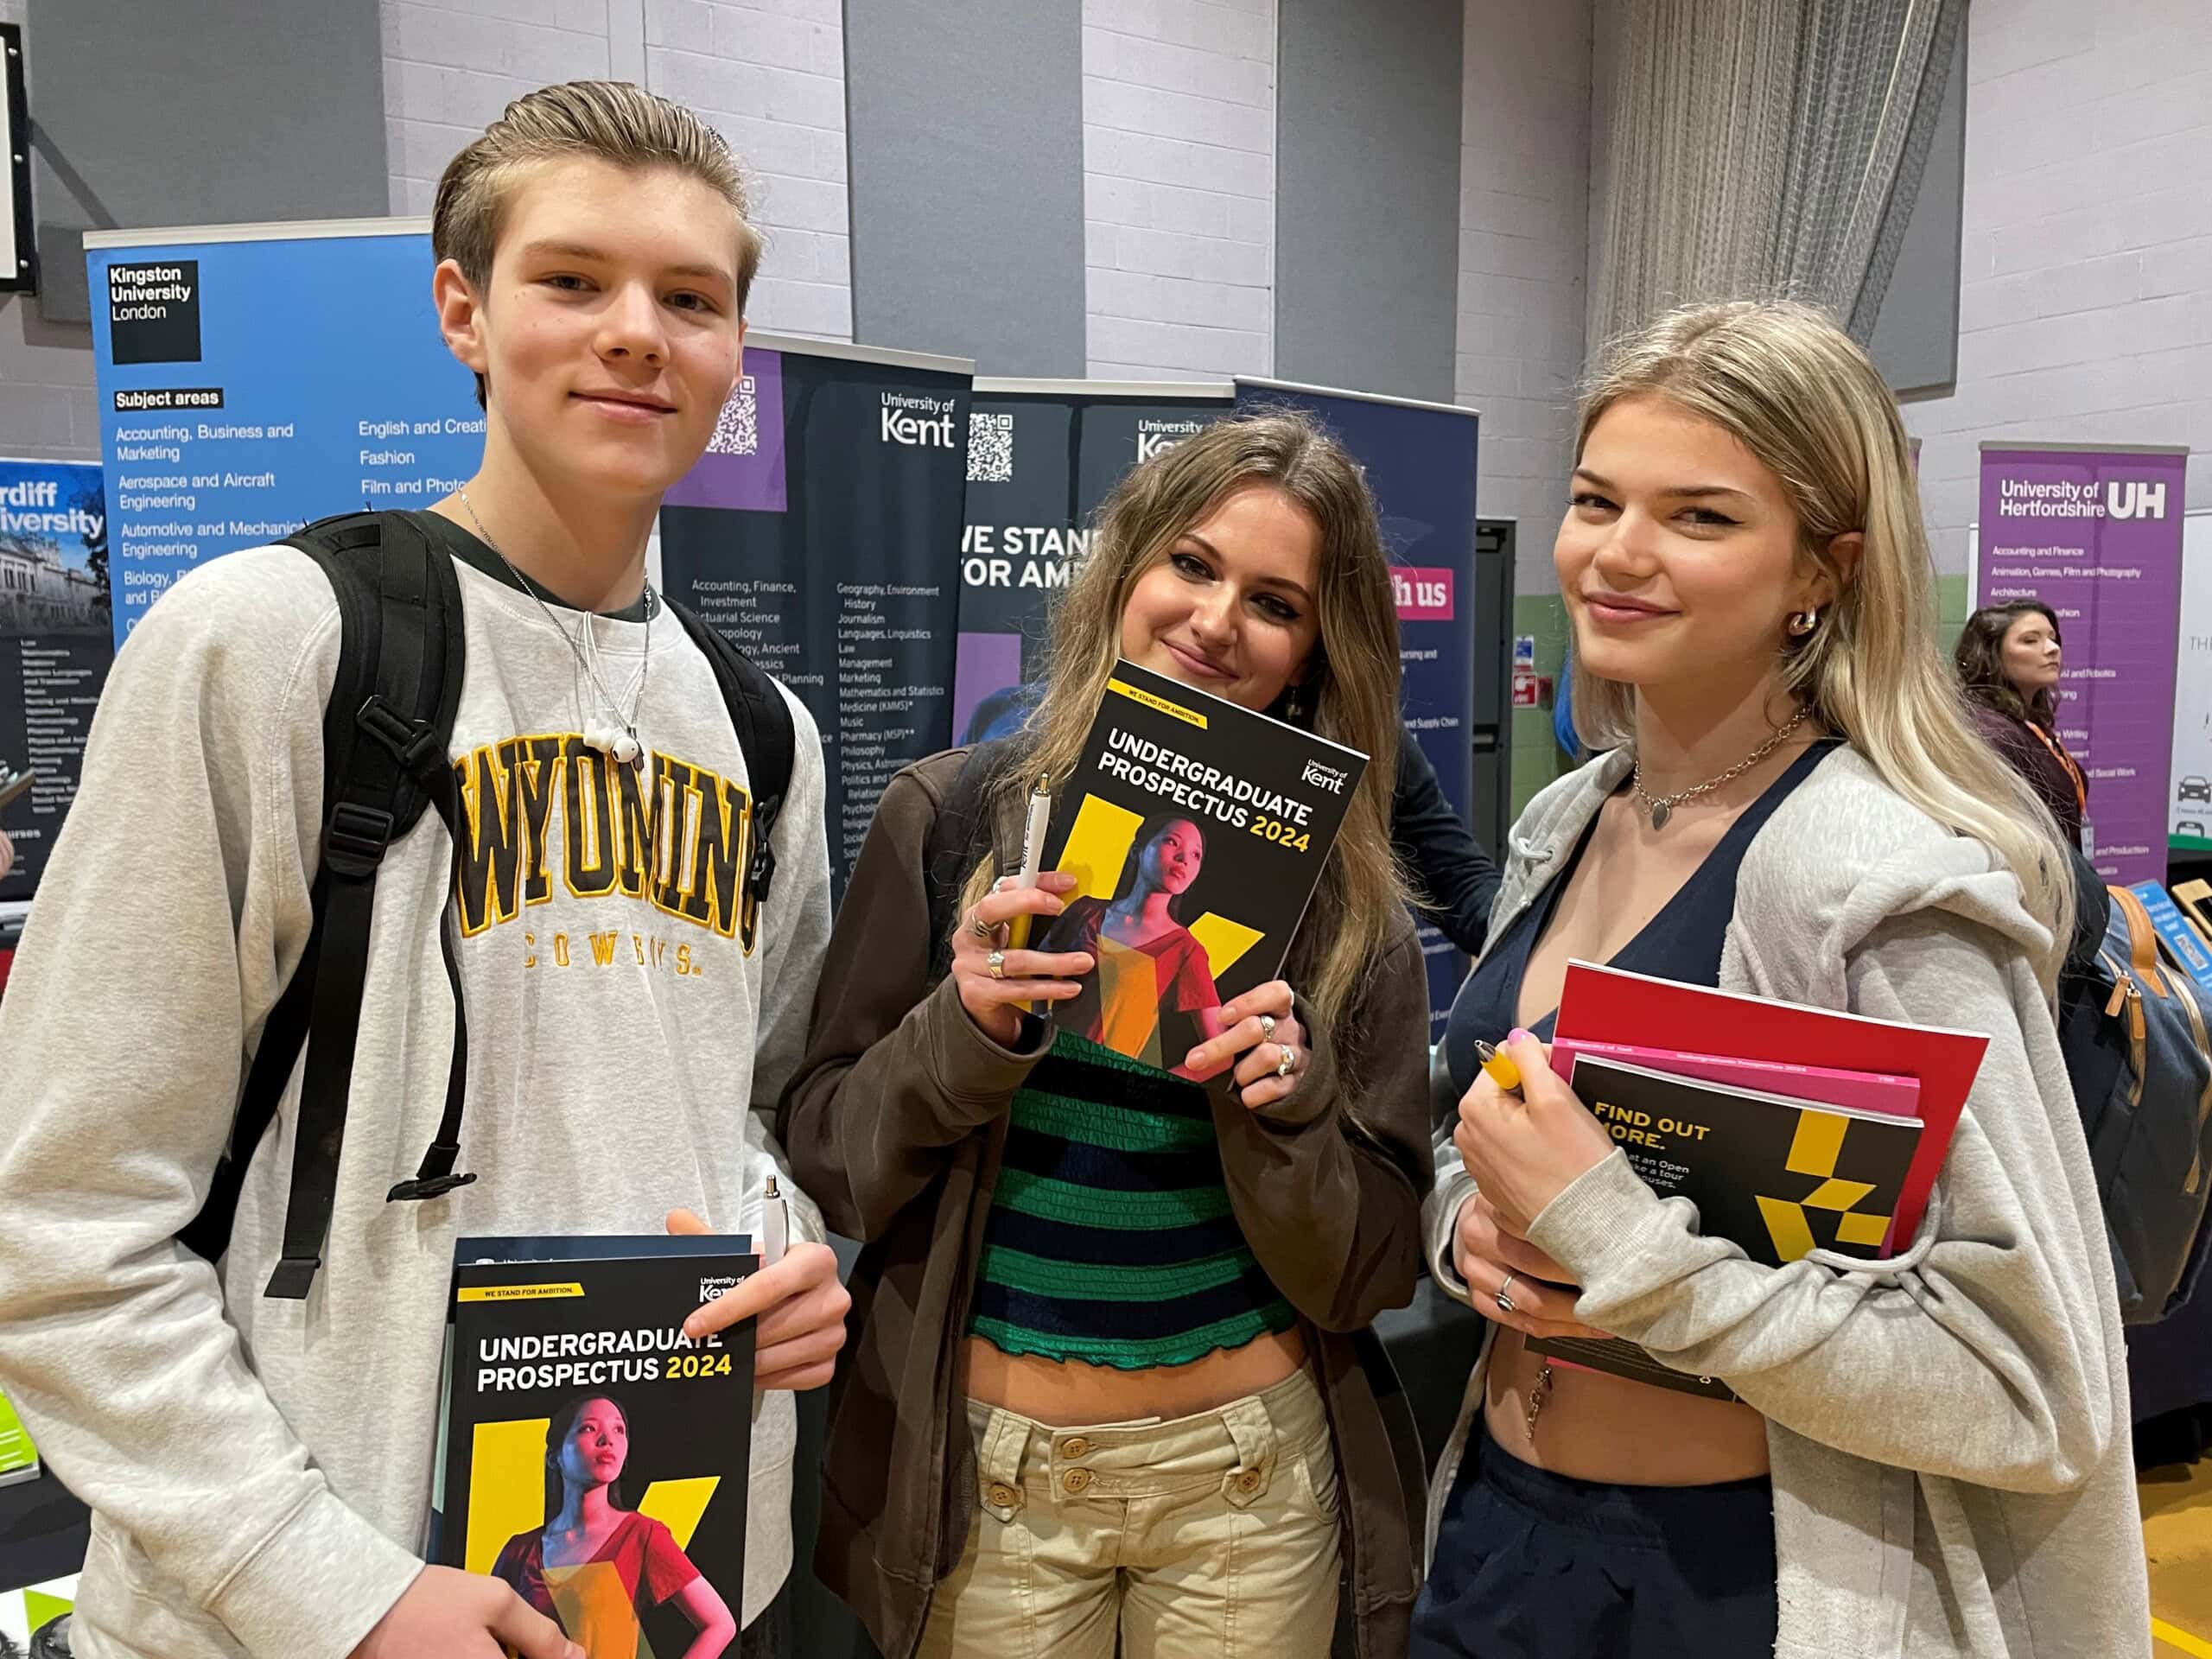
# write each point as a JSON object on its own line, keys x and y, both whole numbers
{"x": 1497, "y": 1066}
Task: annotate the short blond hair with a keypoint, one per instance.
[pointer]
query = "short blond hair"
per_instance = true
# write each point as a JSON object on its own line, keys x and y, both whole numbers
{"x": 604, "y": 120}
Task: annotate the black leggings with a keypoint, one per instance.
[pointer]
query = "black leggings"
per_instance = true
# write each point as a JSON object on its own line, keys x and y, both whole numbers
{"x": 1531, "y": 1564}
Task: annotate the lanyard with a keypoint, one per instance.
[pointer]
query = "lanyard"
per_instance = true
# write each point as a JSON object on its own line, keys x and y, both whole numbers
{"x": 2073, "y": 769}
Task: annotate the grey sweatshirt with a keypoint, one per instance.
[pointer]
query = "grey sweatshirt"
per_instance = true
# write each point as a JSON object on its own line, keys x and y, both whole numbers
{"x": 1948, "y": 1430}
{"x": 259, "y": 1471}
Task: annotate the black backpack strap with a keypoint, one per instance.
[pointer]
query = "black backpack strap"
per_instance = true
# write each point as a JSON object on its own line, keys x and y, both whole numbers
{"x": 959, "y": 836}
{"x": 386, "y": 731}
{"x": 767, "y": 734}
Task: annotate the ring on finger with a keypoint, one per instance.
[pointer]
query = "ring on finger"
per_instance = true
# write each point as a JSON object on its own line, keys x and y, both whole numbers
{"x": 1505, "y": 1301}
{"x": 979, "y": 927}
{"x": 997, "y": 961}
{"x": 1289, "y": 1058}
{"x": 1267, "y": 1027}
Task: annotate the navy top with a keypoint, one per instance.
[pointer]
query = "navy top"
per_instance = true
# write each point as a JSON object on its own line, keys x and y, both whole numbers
{"x": 1681, "y": 943}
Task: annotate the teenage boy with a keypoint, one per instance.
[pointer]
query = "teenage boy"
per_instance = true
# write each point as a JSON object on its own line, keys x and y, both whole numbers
{"x": 259, "y": 1470}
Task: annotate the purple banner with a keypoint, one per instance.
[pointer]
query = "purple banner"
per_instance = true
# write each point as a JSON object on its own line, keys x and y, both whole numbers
{"x": 743, "y": 468}
{"x": 2095, "y": 534}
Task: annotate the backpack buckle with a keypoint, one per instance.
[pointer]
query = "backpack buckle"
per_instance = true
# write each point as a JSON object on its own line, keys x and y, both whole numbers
{"x": 354, "y": 844}
{"x": 413, "y": 743}
{"x": 760, "y": 870}
{"x": 435, "y": 1186}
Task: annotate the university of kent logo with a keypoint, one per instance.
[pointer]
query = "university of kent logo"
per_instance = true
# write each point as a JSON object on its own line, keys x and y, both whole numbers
{"x": 679, "y": 836}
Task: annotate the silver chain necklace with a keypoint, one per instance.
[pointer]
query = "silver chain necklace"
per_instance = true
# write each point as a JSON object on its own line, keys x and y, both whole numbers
{"x": 1661, "y": 807}
{"x": 587, "y": 660}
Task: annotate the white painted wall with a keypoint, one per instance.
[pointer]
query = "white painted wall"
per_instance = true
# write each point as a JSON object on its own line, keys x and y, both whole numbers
{"x": 2086, "y": 296}
{"x": 1179, "y": 187}
{"x": 1524, "y": 192}
{"x": 768, "y": 74}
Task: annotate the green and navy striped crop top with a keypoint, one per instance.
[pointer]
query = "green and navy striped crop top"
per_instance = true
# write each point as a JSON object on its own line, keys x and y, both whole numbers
{"x": 1110, "y": 1238}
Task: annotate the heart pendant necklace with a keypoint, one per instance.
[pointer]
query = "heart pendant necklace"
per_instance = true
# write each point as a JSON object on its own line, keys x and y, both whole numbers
{"x": 1661, "y": 807}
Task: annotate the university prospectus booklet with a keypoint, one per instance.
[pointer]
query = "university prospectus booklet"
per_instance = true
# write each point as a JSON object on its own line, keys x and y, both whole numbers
{"x": 591, "y": 1455}
{"x": 1779, "y": 1176}
{"x": 1198, "y": 831}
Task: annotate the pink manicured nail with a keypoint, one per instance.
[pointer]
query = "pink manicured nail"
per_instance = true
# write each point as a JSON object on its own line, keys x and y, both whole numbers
{"x": 1517, "y": 1035}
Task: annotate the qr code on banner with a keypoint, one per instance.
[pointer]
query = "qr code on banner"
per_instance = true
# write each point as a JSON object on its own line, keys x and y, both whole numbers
{"x": 990, "y": 448}
{"x": 737, "y": 431}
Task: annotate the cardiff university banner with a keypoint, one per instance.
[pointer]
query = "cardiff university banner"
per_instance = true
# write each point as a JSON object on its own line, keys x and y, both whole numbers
{"x": 55, "y": 646}
{"x": 2095, "y": 531}
{"x": 1042, "y": 457}
{"x": 1420, "y": 460}
{"x": 813, "y": 533}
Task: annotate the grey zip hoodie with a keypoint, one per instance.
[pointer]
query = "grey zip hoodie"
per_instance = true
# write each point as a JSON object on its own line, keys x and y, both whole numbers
{"x": 1948, "y": 1430}
{"x": 259, "y": 1471}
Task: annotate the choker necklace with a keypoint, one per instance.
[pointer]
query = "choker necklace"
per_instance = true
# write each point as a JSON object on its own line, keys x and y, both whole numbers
{"x": 1661, "y": 807}
{"x": 617, "y": 737}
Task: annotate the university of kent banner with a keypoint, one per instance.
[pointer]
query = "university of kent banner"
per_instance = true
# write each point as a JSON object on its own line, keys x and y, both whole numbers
{"x": 1042, "y": 457}
{"x": 815, "y": 533}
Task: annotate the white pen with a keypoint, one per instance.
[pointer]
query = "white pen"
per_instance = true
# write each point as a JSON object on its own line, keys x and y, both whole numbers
{"x": 775, "y": 1224}
{"x": 1032, "y": 834}
{"x": 1032, "y": 854}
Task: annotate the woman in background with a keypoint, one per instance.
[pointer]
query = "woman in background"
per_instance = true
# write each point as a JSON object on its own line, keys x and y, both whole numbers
{"x": 2009, "y": 658}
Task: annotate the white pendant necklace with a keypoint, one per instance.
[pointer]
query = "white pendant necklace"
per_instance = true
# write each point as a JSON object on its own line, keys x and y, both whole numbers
{"x": 1661, "y": 807}
{"x": 610, "y": 733}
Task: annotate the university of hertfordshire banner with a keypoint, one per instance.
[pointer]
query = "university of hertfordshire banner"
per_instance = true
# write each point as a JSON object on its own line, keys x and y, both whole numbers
{"x": 1420, "y": 460}
{"x": 1042, "y": 457}
{"x": 2095, "y": 531}
{"x": 814, "y": 533}
{"x": 55, "y": 651}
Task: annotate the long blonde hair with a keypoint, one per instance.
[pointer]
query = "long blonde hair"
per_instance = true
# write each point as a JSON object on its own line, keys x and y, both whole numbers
{"x": 1350, "y": 686}
{"x": 1798, "y": 393}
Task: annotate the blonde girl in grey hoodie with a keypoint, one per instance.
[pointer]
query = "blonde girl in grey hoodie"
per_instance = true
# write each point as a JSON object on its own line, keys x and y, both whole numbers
{"x": 1929, "y": 1456}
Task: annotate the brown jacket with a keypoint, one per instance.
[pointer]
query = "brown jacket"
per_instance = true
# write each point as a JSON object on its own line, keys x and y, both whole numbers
{"x": 895, "y": 1123}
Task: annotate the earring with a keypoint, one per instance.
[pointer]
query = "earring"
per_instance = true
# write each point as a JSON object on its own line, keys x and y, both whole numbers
{"x": 1802, "y": 623}
{"x": 1293, "y": 705}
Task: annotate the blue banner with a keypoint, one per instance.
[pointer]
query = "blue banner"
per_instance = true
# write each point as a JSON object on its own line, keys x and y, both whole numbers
{"x": 249, "y": 386}
{"x": 54, "y": 652}
{"x": 1420, "y": 460}
{"x": 2181, "y": 941}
